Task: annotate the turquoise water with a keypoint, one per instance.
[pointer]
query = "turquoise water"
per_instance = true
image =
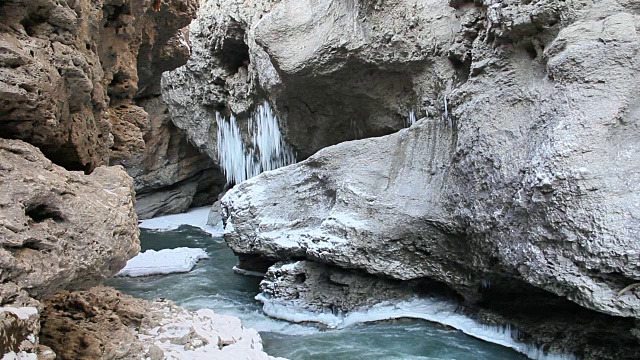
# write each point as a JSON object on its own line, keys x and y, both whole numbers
{"x": 213, "y": 284}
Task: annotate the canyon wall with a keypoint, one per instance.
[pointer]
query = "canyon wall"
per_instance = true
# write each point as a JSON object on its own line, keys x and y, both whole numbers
{"x": 520, "y": 176}
{"x": 76, "y": 81}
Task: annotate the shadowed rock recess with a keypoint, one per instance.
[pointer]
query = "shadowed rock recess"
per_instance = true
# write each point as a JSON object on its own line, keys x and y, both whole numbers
{"x": 518, "y": 188}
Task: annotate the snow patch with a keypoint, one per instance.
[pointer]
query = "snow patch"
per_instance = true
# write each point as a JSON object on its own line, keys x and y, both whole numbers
{"x": 22, "y": 355}
{"x": 200, "y": 335}
{"x": 23, "y": 313}
{"x": 166, "y": 261}
{"x": 196, "y": 217}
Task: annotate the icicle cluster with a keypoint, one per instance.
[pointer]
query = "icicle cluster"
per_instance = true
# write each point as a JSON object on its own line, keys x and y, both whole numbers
{"x": 267, "y": 151}
{"x": 412, "y": 118}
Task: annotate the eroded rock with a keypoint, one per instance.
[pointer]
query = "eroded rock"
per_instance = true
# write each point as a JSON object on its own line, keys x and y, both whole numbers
{"x": 524, "y": 170}
{"x": 349, "y": 71}
{"x": 61, "y": 229}
{"x": 102, "y": 323}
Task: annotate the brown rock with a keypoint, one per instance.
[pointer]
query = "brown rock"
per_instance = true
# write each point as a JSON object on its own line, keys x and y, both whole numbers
{"x": 102, "y": 323}
{"x": 67, "y": 68}
{"x": 93, "y": 324}
{"x": 61, "y": 229}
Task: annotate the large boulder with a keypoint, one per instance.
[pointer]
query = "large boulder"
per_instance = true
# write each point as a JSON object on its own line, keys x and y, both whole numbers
{"x": 59, "y": 229}
{"x": 531, "y": 174}
{"x": 525, "y": 181}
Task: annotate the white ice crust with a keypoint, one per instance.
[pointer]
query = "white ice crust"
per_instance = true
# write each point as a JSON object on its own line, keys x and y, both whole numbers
{"x": 166, "y": 261}
{"x": 196, "y": 217}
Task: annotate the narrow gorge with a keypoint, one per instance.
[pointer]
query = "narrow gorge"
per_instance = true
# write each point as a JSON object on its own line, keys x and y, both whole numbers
{"x": 326, "y": 179}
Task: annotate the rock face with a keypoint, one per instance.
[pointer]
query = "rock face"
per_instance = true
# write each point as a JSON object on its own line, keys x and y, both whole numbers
{"x": 170, "y": 175}
{"x": 73, "y": 78}
{"x": 20, "y": 324}
{"x": 349, "y": 71}
{"x": 62, "y": 229}
{"x": 52, "y": 80}
{"x": 74, "y": 326}
{"x": 314, "y": 286}
{"x": 58, "y": 230}
{"x": 523, "y": 174}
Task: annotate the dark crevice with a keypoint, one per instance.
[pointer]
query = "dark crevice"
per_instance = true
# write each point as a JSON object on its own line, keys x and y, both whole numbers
{"x": 234, "y": 52}
{"x": 40, "y": 213}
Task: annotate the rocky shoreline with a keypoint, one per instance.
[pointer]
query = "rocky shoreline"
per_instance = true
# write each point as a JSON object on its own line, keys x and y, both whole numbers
{"x": 102, "y": 323}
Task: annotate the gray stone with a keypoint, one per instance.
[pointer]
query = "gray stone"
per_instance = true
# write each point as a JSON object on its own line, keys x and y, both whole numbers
{"x": 527, "y": 170}
{"x": 347, "y": 72}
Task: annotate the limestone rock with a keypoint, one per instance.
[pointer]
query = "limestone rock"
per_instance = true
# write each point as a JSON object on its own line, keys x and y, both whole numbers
{"x": 349, "y": 71}
{"x": 20, "y": 324}
{"x": 316, "y": 287}
{"x": 51, "y": 80}
{"x": 61, "y": 229}
{"x": 525, "y": 167}
{"x": 102, "y": 323}
{"x": 170, "y": 175}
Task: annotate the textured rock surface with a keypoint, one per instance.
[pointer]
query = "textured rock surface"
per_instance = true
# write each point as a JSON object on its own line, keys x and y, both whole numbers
{"x": 540, "y": 185}
{"x": 20, "y": 324}
{"x": 525, "y": 170}
{"x": 170, "y": 175}
{"x": 102, "y": 323}
{"x": 75, "y": 77}
{"x": 52, "y": 89}
{"x": 61, "y": 229}
{"x": 349, "y": 71}
{"x": 315, "y": 287}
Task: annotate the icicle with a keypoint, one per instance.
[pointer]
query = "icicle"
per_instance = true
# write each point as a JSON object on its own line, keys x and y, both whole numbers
{"x": 267, "y": 150}
{"x": 412, "y": 118}
{"x": 446, "y": 107}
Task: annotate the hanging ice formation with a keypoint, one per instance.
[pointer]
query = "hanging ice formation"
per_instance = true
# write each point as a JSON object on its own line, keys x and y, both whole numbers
{"x": 267, "y": 150}
{"x": 412, "y": 118}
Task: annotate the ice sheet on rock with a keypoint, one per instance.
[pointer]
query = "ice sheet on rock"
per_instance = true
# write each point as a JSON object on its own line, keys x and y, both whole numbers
{"x": 196, "y": 217}
{"x": 433, "y": 310}
{"x": 166, "y": 261}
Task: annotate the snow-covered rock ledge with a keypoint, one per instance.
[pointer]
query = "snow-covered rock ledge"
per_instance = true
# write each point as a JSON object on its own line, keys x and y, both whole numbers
{"x": 118, "y": 326}
{"x": 163, "y": 262}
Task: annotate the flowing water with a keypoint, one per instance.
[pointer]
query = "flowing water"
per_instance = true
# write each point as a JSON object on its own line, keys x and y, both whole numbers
{"x": 213, "y": 284}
